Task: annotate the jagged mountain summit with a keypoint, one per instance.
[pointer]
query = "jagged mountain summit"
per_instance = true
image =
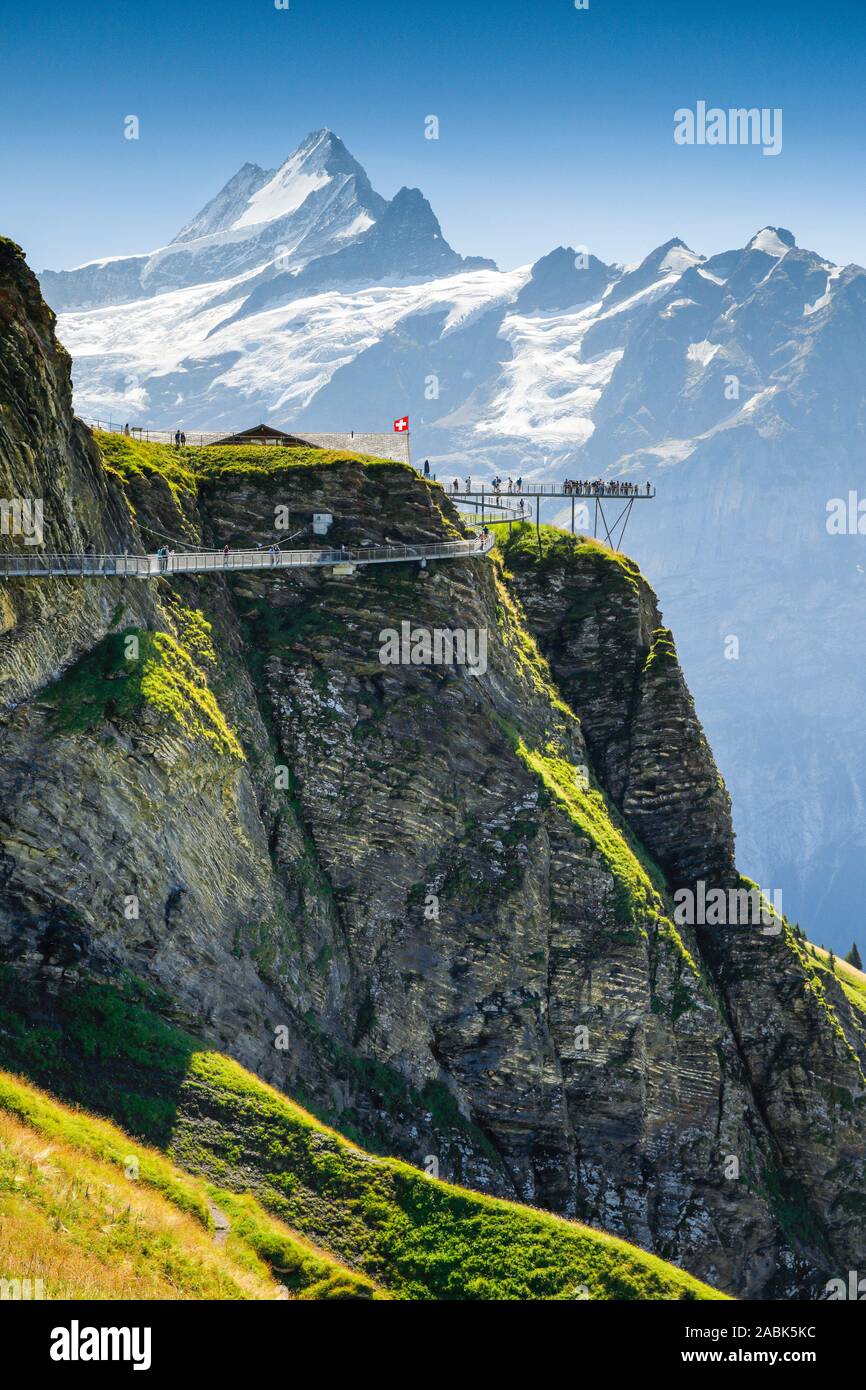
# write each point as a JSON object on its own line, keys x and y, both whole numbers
{"x": 254, "y": 196}
{"x": 318, "y": 203}
{"x": 737, "y": 381}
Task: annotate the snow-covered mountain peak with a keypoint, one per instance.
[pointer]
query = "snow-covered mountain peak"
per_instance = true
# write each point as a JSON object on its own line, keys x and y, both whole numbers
{"x": 318, "y": 201}
{"x": 674, "y": 257}
{"x": 679, "y": 259}
{"x": 773, "y": 241}
{"x": 319, "y": 158}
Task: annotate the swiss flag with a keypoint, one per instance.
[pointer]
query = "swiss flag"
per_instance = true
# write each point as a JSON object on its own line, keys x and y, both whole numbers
{"x": 402, "y": 424}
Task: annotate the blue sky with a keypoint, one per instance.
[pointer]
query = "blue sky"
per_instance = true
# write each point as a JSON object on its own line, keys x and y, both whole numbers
{"x": 556, "y": 124}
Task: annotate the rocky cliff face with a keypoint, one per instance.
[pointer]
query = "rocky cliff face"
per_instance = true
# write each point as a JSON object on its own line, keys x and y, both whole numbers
{"x": 50, "y": 466}
{"x": 433, "y": 900}
{"x": 598, "y": 623}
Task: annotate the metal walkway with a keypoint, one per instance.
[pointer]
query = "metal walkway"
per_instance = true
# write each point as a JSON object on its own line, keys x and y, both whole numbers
{"x": 495, "y": 511}
{"x": 215, "y": 562}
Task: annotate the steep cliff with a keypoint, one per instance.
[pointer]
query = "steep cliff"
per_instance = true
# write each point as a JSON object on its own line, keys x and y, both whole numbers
{"x": 434, "y": 901}
{"x": 48, "y": 459}
{"x": 598, "y": 623}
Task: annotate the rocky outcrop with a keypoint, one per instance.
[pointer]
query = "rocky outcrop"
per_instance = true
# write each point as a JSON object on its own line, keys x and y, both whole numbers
{"x": 50, "y": 465}
{"x": 597, "y": 621}
{"x": 427, "y": 897}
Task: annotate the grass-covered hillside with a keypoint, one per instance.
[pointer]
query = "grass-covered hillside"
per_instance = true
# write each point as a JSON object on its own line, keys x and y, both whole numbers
{"x": 279, "y": 1176}
{"x": 552, "y": 549}
{"x": 183, "y": 469}
{"x": 851, "y": 980}
{"x": 94, "y": 1215}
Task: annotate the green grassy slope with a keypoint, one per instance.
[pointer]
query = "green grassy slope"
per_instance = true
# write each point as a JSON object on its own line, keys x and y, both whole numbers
{"x": 261, "y": 1153}
{"x": 183, "y": 468}
{"x": 852, "y": 980}
{"x": 93, "y": 1214}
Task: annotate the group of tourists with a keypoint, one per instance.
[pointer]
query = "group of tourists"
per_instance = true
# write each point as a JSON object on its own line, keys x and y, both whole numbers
{"x": 599, "y": 488}
{"x": 165, "y": 558}
{"x": 179, "y": 438}
{"x": 579, "y": 487}
{"x": 275, "y": 554}
{"x": 497, "y": 485}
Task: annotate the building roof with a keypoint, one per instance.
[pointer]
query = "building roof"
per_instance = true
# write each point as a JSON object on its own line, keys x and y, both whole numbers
{"x": 259, "y": 434}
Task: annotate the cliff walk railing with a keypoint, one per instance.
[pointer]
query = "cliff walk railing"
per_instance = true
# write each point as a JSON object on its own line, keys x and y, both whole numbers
{"x": 42, "y": 566}
{"x": 483, "y": 492}
{"x": 192, "y": 438}
{"x": 389, "y": 444}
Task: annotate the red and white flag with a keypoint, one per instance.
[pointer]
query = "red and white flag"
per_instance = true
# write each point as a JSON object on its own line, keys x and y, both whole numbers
{"x": 402, "y": 424}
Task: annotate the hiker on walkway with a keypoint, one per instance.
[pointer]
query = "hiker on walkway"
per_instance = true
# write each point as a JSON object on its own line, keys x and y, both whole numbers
{"x": 126, "y": 429}
{"x": 482, "y": 539}
{"x": 647, "y": 489}
{"x": 177, "y": 439}
{"x": 161, "y": 556}
{"x": 426, "y": 468}
{"x": 225, "y": 554}
{"x": 183, "y": 438}
{"x": 519, "y": 485}
{"x": 468, "y": 484}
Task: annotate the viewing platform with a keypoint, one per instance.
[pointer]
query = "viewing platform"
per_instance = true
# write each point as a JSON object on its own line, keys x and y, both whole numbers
{"x": 497, "y": 506}
{"x": 588, "y": 493}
